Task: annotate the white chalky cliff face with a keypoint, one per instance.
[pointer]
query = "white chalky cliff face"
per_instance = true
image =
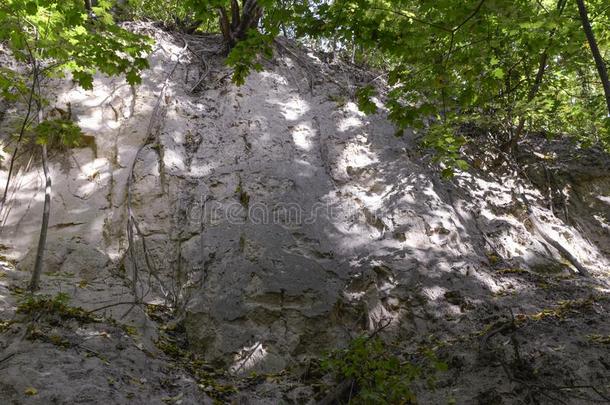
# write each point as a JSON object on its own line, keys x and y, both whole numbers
{"x": 279, "y": 217}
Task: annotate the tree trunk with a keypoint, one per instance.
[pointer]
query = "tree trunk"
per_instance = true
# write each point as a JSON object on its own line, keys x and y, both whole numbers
{"x": 234, "y": 24}
{"x": 597, "y": 56}
{"x": 35, "y": 281}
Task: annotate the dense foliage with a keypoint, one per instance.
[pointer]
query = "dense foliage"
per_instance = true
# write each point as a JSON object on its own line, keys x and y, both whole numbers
{"x": 68, "y": 37}
{"x": 501, "y": 64}
{"x": 507, "y": 67}
{"x": 375, "y": 375}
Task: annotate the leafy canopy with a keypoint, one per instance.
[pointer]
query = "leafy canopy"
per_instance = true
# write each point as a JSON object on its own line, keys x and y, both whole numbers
{"x": 497, "y": 64}
{"x": 457, "y": 62}
{"x": 62, "y": 33}
{"x": 504, "y": 66}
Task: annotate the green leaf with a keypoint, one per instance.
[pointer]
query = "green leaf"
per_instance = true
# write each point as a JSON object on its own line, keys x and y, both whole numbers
{"x": 498, "y": 73}
{"x": 133, "y": 77}
{"x": 462, "y": 165}
{"x": 447, "y": 173}
{"x": 84, "y": 79}
{"x": 365, "y": 104}
{"x": 31, "y": 8}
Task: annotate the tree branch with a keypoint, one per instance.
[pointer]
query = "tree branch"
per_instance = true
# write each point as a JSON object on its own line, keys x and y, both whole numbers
{"x": 424, "y": 22}
{"x": 597, "y": 56}
{"x": 470, "y": 16}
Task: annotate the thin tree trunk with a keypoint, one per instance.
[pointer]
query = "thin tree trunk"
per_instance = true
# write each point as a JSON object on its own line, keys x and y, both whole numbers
{"x": 597, "y": 56}
{"x": 42, "y": 241}
{"x": 46, "y": 210}
{"x": 514, "y": 140}
{"x": 235, "y": 20}
{"x": 511, "y": 145}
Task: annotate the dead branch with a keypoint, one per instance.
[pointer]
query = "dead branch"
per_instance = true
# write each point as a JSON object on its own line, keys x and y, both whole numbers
{"x": 539, "y": 228}
{"x": 116, "y": 304}
{"x": 205, "y": 65}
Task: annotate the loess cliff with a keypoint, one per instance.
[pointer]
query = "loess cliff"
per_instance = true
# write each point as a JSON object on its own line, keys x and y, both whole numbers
{"x": 257, "y": 227}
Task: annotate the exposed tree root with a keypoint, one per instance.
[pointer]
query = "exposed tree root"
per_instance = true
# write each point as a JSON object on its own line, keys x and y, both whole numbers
{"x": 132, "y": 222}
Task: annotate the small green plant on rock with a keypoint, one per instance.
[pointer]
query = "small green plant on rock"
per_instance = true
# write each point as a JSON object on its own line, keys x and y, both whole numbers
{"x": 373, "y": 374}
{"x": 35, "y": 333}
{"x": 54, "y": 307}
